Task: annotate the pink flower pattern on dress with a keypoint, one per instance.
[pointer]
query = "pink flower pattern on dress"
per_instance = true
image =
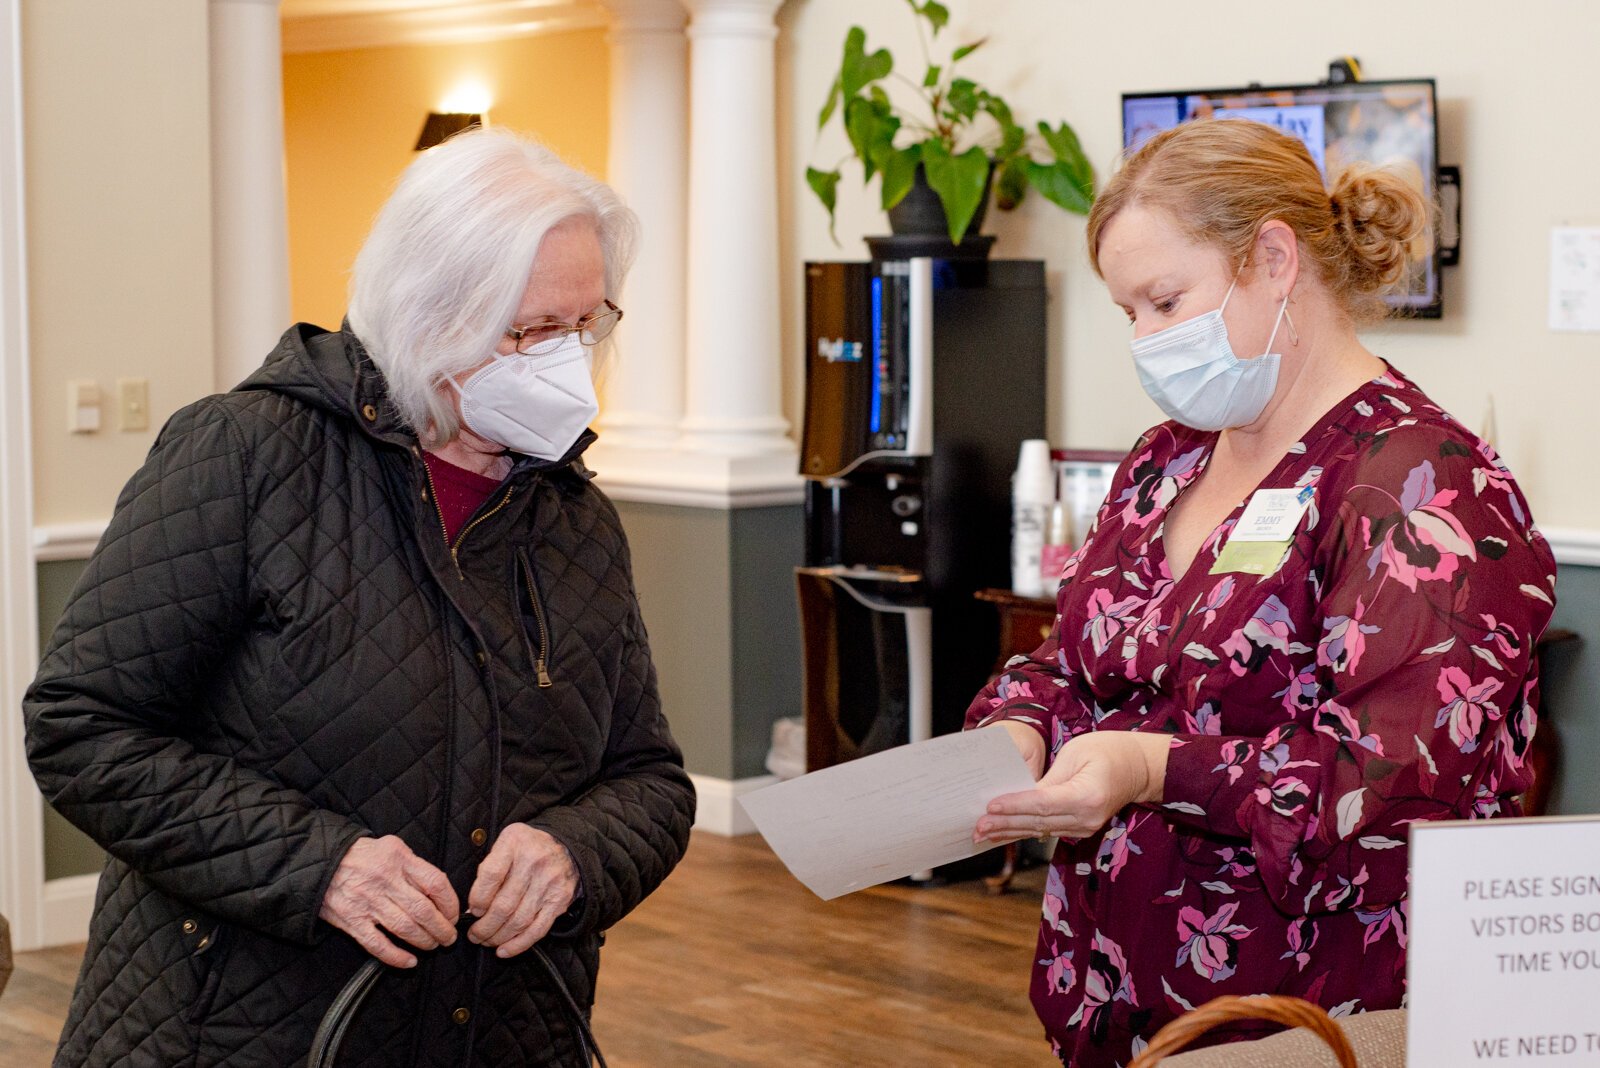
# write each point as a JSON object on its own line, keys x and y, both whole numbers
{"x": 1383, "y": 675}
{"x": 1339, "y": 722}
{"x": 1155, "y": 485}
{"x": 1012, "y": 690}
{"x": 1424, "y": 541}
{"x": 1116, "y": 845}
{"x": 1060, "y": 975}
{"x": 1268, "y": 631}
{"x": 1500, "y": 635}
{"x": 1203, "y": 720}
{"x": 1344, "y": 639}
{"x": 1211, "y": 943}
{"x": 1302, "y": 939}
{"x": 1055, "y": 904}
{"x": 1214, "y": 599}
{"x": 1108, "y": 618}
{"x": 1466, "y": 706}
{"x": 1388, "y": 920}
{"x": 1107, "y": 981}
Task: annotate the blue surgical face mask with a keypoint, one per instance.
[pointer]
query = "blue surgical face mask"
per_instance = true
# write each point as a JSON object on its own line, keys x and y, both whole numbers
{"x": 1191, "y": 372}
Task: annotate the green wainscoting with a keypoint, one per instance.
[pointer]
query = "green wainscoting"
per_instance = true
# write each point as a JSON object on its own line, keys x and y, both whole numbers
{"x": 1571, "y": 704}
{"x": 717, "y": 591}
{"x": 67, "y": 850}
{"x": 716, "y": 588}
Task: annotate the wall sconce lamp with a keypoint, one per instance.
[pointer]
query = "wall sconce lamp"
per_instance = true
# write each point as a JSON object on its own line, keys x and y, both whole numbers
{"x": 443, "y": 125}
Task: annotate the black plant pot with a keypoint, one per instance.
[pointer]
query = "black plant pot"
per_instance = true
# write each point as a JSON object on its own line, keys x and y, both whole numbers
{"x": 920, "y": 228}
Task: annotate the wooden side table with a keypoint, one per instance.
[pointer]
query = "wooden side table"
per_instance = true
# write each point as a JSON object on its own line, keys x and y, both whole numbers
{"x": 1025, "y": 623}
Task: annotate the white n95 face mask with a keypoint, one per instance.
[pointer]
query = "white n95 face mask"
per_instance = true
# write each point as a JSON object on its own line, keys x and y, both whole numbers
{"x": 1190, "y": 370}
{"x": 535, "y": 405}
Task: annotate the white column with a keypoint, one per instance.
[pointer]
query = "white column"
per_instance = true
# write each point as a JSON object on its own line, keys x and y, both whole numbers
{"x": 648, "y": 151}
{"x": 249, "y": 235}
{"x": 21, "y": 829}
{"x": 733, "y": 391}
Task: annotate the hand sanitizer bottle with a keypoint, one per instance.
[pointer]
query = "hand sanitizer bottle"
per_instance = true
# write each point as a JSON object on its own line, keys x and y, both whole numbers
{"x": 1033, "y": 491}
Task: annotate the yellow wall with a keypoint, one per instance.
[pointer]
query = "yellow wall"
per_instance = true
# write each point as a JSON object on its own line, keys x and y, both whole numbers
{"x": 116, "y": 118}
{"x": 351, "y": 119}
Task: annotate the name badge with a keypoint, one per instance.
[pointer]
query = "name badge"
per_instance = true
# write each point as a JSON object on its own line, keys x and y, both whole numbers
{"x": 1260, "y": 539}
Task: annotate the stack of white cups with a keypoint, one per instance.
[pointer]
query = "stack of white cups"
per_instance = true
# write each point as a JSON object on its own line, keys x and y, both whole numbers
{"x": 1033, "y": 491}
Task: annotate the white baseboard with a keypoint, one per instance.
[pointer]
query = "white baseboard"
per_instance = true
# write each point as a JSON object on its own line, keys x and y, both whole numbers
{"x": 66, "y": 905}
{"x": 719, "y": 810}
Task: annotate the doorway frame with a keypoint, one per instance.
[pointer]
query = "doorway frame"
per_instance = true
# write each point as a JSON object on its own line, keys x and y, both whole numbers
{"x": 21, "y": 816}
{"x": 22, "y": 883}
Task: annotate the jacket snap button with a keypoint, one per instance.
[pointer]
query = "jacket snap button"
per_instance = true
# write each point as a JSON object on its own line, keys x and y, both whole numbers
{"x": 189, "y": 927}
{"x": 369, "y": 412}
{"x": 480, "y": 836}
{"x": 481, "y": 658}
{"x": 461, "y": 1016}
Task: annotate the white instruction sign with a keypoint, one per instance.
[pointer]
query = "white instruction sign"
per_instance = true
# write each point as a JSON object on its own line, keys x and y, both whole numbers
{"x": 1575, "y": 278}
{"x": 1503, "y": 964}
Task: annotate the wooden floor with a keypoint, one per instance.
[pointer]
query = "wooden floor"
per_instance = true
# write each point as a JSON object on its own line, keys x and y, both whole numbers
{"x": 733, "y": 964}
{"x": 35, "y": 1003}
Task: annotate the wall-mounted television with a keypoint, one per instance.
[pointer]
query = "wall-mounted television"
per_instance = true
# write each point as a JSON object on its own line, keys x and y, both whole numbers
{"x": 1389, "y": 123}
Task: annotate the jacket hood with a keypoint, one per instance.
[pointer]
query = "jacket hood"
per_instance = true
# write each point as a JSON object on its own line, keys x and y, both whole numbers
{"x": 331, "y": 370}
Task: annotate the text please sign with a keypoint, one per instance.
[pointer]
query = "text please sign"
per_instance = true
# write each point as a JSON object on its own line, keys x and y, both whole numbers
{"x": 1503, "y": 964}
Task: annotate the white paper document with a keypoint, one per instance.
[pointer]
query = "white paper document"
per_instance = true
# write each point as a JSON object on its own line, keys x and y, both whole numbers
{"x": 888, "y": 815}
{"x": 1575, "y": 278}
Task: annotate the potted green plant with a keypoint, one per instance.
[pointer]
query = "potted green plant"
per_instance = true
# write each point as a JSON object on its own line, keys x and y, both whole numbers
{"x": 958, "y": 141}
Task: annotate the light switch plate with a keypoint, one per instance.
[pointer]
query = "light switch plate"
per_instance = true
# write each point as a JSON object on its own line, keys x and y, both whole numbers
{"x": 133, "y": 403}
{"x": 83, "y": 407}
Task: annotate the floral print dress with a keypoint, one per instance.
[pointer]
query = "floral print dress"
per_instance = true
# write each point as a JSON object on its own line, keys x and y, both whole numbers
{"x": 1383, "y": 674}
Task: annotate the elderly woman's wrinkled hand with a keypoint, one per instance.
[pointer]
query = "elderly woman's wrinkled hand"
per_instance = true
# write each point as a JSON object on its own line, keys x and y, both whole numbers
{"x": 381, "y": 885}
{"x": 1094, "y": 777}
{"x": 524, "y": 885}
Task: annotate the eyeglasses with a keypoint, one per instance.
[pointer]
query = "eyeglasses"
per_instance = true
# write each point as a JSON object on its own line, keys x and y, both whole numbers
{"x": 546, "y": 335}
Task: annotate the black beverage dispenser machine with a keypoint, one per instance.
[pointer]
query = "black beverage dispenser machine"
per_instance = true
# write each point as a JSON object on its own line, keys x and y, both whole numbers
{"x": 923, "y": 376}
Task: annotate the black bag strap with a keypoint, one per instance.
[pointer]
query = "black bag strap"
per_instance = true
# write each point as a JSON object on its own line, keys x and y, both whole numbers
{"x": 336, "y": 1021}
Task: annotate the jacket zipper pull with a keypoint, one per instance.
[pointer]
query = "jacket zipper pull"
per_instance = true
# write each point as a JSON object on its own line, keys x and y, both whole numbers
{"x": 539, "y": 666}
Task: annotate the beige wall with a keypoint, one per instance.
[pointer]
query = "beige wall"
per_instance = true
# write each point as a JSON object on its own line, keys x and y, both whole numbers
{"x": 351, "y": 119}
{"x": 116, "y": 113}
{"x": 1515, "y": 116}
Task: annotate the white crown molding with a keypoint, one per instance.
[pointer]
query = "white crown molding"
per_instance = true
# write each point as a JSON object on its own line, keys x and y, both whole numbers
{"x": 337, "y": 27}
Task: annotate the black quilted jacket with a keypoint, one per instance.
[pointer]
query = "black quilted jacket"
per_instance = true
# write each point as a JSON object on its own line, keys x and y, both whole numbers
{"x": 274, "y": 652}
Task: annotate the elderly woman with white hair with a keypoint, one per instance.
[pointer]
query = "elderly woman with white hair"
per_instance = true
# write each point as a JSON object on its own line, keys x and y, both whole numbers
{"x": 357, "y": 671}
